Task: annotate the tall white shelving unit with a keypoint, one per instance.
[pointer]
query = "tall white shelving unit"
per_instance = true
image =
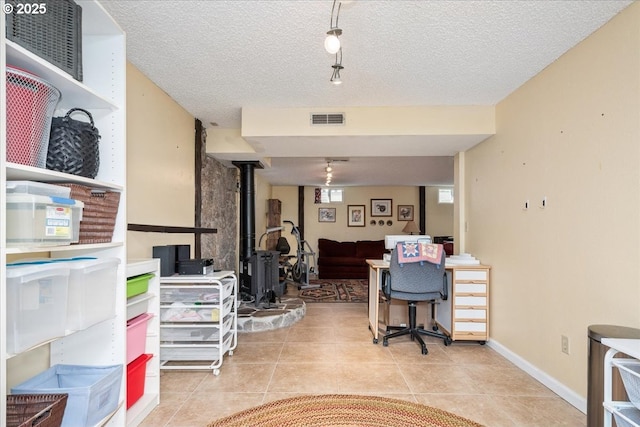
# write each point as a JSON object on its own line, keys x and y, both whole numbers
{"x": 102, "y": 93}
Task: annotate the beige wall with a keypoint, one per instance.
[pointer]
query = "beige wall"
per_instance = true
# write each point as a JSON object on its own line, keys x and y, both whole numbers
{"x": 571, "y": 134}
{"x": 160, "y": 166}
{"x": 438, "y": 216}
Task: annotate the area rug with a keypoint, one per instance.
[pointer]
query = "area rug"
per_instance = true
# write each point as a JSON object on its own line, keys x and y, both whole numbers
{"x": 337, "y": 290}
{"x": 339, "y": 410}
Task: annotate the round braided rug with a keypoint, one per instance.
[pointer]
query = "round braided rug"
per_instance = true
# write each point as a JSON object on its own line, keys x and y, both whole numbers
{"x": 341, "y": 410}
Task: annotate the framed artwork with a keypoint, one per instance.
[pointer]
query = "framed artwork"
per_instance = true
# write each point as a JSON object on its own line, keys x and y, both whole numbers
{"x": 381, "y": 207}
{"x": 355, "y": 216}
{"x": 405, "y": 212}
{"x": 326, "y": 214}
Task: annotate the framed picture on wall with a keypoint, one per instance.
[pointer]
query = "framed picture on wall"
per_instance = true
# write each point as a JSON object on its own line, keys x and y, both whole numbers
{"x": 381, "y": 207}
{"x": 355, "y": 216}
{"x": 326, "y": 214}
{"x": 405, "y": 212}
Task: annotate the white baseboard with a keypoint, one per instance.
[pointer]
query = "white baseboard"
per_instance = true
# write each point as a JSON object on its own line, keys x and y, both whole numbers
{"x": 556, "y": 386}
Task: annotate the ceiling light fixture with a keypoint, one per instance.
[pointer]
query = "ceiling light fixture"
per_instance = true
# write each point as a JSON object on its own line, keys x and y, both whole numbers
{"x": 332, "y": 42}
{"x": 329, "y": 171}
{"x": 335, "y": 77}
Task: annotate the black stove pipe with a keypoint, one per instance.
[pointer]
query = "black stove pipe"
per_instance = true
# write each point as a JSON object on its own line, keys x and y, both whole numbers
{"x": 247, "y": 219}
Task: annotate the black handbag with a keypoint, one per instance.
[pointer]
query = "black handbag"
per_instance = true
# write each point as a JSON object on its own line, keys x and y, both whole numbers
{"x": 74, "y": 145}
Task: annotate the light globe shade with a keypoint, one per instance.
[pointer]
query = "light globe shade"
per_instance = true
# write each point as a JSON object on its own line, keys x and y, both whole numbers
{"x": 332, "y": 44}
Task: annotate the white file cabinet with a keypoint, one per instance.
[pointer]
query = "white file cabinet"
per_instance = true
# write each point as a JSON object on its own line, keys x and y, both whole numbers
{"x": 627, "y": 414}
{"x": 465, "y": 315}
{"x": 198, "y": 320}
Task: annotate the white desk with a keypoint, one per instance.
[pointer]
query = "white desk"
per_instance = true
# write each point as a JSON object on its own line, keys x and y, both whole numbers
{"x": 463, "y": 316}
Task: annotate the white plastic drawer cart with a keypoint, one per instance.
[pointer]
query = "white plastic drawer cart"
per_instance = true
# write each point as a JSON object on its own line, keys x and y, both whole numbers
{"x": 625, "y": 413}
{"x": 198, "y": 320}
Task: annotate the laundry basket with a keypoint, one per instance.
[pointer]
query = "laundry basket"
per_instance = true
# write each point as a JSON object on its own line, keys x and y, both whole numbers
{"x": 30, "y": 105}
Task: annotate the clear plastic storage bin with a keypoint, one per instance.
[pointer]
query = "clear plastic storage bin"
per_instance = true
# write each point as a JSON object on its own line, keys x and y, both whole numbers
{"x": 92, "y": 290}
{"x": 38, "y": 189}
{"x": 42, "y": 220}
{"x": 93, "y": 391}
{"x": 36, "y": 304}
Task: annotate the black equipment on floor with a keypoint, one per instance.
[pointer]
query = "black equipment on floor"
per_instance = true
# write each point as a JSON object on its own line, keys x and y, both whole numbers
{"x": 265, "y": 283}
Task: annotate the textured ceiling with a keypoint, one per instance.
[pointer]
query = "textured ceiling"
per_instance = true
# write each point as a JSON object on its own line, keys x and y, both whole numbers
{"x": 215, "y": 57}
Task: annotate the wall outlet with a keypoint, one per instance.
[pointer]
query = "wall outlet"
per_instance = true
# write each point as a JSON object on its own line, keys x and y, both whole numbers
{"x": 565, "y": 344}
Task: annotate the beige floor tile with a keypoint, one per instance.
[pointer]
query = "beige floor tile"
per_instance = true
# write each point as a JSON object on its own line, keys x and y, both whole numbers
{"x": 308, "y": 378}
{"x": 480, "y": 408}
{"x": 201, "y": 408}
{"x": 506, "y": 381}
{"x": 317, "y": 334}
{"x": 307, "y": 352}
{"x": 439, "y": 378}
{"x": 256, "y": 352}
{"x": 351, "y": 333}
{"x": 276, "y": 335}
{"x": 370, "y": 378}
{"x": 180, "y": 381}
{"x": 530, "y": 411}
{"x": 239, "y": 378}
{"x": 354, "y": 353}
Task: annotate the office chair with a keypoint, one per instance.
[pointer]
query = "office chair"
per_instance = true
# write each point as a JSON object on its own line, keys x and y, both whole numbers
{"x": 414, "y": 282}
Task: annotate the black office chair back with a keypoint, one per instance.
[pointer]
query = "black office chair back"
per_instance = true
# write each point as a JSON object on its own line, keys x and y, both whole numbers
{"x": 417, "y": 281}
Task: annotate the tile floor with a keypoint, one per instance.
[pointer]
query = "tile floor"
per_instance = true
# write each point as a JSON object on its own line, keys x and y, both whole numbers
{"x": 331, "y": 351}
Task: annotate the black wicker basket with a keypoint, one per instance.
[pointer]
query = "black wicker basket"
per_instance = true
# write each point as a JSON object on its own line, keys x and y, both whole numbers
{"x": 54, "y": 34}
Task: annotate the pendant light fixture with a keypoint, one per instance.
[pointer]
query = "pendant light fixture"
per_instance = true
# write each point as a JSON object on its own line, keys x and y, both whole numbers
{"x": 329, "y": 171}
{"x": 332, "y": 41}
{"x": 335, "y": 77}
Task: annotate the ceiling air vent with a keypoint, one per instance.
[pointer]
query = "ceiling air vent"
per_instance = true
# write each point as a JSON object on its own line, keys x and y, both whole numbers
{"x": 327, "y": 119}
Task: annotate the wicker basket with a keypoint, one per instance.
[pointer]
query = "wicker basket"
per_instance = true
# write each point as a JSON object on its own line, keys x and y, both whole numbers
{"x": 42, "y": 410}
{"x": 99, "y": 214}
{"x": 31, "y": 102}
{"x": 55, "y": 35}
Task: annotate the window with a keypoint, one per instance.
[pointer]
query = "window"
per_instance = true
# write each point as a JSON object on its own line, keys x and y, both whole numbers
{"x": 445, "y": 195}
{"x": 331, "y": 195}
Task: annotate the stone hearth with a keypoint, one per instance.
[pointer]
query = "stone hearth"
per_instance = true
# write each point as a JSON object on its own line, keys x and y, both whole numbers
{"x": 266, "y": 317}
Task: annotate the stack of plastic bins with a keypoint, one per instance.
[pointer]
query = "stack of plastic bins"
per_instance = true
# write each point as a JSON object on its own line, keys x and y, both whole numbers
{"x": 137, "y": 325}
{"x": 41, "y": 214}
{"x": 630, "y": 372}
{"x": 36, "y": 304}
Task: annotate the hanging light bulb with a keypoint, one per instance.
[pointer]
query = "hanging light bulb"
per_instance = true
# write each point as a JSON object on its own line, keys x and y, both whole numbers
{"x": 328, "y": 168}
{"x": 332, "y": 42}
{"x": 335, "y": 77}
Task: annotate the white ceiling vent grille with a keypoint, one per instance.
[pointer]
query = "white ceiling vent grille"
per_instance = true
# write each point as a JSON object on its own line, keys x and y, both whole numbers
{"x": 327, "y": 119}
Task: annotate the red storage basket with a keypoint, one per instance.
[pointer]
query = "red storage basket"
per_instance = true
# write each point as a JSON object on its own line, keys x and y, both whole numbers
{"x": 136, "y": 373}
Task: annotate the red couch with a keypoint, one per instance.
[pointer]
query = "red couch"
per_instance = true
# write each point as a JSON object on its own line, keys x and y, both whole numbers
{"x": 347, "y": 260}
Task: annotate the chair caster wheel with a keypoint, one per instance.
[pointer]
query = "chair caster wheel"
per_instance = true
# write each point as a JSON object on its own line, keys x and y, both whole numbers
{"x": 483, "y": 342}
{"x": 424, "y": 350}
{"x": 435, "y": 328}
{"x": 385, "y": 343}
{"x": 375, "y": 340}
{"x": 447, "y": 341}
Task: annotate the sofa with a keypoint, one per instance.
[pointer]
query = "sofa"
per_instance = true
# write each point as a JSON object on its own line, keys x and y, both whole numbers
{"x": 347, "y": 260}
